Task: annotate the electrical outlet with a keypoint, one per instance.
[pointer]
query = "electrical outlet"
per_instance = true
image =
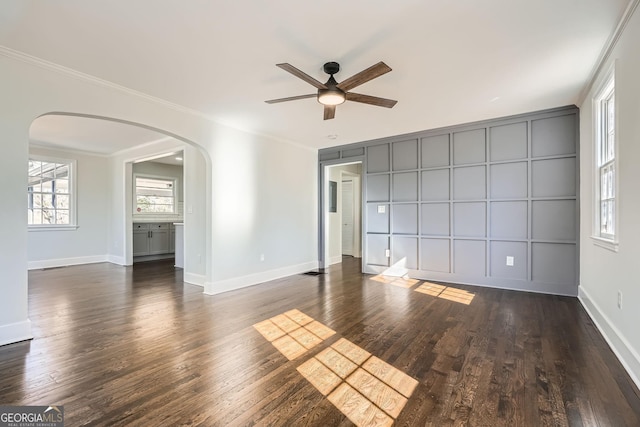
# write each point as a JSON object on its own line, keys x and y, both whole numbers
{"x": 382, "y": 208}
{"x": 510, "y": 261}
{"x": 619, "y": 299}
{"x": 387, "y": 253}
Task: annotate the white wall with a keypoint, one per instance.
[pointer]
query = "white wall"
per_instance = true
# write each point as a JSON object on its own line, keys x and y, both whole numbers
{"x": 264, "y": 203}
{"x": 602, "y": 272}
{"x": 195, "y": 209}
{"x": 260, "y": 193}
{"x": 87, "y": 243}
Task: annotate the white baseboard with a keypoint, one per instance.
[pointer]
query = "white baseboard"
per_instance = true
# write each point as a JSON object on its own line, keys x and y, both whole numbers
{"x": 15, "y": 332}
{"x": 63, "y": 262}
{"x": 194, "y": 279}
{"x": 335, "y": 260}
{"x": 620, "y": 346}
{"x": 119, "y": 260}
{"x": 217, "y": 287}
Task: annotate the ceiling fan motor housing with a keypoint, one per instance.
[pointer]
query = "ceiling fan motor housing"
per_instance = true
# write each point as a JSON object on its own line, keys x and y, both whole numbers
{"x": 331, "y": 67}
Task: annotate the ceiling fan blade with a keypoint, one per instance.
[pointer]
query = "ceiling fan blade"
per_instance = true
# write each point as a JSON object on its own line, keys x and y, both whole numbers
{"x": 372, "y": 100}
{"x": 364, "y": 76}
{"x": 329, "y": 112}
{"x": 302, "y": 75}
{"x": 291, "y": 98}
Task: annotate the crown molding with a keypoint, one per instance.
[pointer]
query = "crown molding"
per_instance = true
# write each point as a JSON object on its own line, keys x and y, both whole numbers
{"x": 608, "y": 49}
{"x": 70, "y": 72}
{"x": 78, "y": 75}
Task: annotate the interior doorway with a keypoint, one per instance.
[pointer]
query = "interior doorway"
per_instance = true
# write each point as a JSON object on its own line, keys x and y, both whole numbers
{"x": 342, "y": 216}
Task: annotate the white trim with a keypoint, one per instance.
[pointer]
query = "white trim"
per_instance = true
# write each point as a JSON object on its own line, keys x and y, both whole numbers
{"x": 118, "y": 260}
{"x": 605, "y": 243}
{"x": 53, "y": 227}
{"x": 194, "y": 279}
{"x": 335, "y": 260}
{"x": 220, "y": 286}
{"x": 142, "y": 175}
{"x": 73, "y": 194}
{"x": 606, "y": 86}
{"x": 15, "y": 332}
{"x": 608, "y": 49}
{"x": 620, "y": 346}
{"x": 70, "y": 72}
{"x": 63, "y": 262}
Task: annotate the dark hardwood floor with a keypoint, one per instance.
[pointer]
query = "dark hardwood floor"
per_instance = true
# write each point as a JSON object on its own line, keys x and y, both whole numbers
{"x": 135, "y": 346}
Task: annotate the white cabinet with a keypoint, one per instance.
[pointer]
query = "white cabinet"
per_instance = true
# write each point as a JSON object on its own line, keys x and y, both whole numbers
{"x": 151, "y": 238}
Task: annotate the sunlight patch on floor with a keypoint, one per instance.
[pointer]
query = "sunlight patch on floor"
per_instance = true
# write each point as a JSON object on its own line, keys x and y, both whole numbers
{"x": 293, "y": 333}
{"x": 369, "y": 391}
{"x": 403, "y": 282}
{"x": 366, "y": 389}
{"x": 446, "y": 292}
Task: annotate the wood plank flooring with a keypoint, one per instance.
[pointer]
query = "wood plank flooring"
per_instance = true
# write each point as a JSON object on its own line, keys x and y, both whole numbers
{"x": 136, "y": 347}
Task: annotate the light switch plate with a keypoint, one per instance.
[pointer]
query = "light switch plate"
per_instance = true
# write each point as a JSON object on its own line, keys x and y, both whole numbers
{"x": 510, "y": 261}
{"x": 382, "y": 208}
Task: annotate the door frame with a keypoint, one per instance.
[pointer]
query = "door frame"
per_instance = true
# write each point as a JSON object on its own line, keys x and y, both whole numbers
{"x": 323, "y": 203}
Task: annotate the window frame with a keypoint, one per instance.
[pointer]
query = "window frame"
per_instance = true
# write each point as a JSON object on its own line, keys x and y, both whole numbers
{"x": 174, "y": 182}
{"x": 605, "y": 163}
{"x": 72, "y": 193}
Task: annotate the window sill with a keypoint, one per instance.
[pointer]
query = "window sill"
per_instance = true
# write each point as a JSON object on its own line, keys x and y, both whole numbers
{"x": 605, "y": 243}
{"x": 53, "y": 227}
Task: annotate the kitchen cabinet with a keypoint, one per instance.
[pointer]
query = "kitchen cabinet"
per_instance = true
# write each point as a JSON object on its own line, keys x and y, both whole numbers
{"x": 152, "y": 238}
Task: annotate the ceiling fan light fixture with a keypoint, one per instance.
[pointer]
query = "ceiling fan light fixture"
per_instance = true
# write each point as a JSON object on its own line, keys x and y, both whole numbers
{"x": 331, "y": 97}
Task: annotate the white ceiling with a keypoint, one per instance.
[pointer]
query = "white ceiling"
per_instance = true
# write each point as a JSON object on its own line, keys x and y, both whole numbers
{"x": 453, "y": 61}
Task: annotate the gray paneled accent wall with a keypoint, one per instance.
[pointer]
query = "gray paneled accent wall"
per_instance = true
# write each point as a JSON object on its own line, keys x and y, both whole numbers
{"x": 491, "y": 203}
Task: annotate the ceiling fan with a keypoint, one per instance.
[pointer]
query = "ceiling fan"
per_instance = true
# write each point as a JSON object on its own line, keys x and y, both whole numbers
{"x": 333, "y": 93}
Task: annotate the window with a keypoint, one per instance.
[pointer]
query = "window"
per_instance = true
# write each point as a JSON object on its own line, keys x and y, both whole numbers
{"x": 605, "y": 157}
{"x": 50, "y": 193}
{"x": 154, "y": 195}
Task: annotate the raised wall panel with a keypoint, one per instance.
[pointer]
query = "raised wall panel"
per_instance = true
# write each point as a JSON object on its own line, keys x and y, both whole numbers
{"x": 378, "y": 158}
{"x": 377, "y": 222}
{"x": 378, "y": 188}
{"x": 509, "y": 180}
{"x": 467, "y": 199}
{"x": 377, "y": 246}
{"x": 405, "y": 155}
{"x": 509, "y": 220}
{"x": 554, "y": 220}
{"x": 470, "y": 219}
{"x": 434, "y": 255}
{"x": 405, "y": 187}
{"x": 553, "y": 263}
{"x": 435, "y": 219}
{"x": 469, "y": 183}
{"x": 435, "y": 151}
{"x": 508, "y": 142}
{"x": 405, "y": 219}
{"x": 332, "y": 155}
{"x": 499, "y": 253}
{"x": 353, "y": 152}
{"x": 553, "y": 136}
{"x": 469, "y": 147}
{"x": 470, "y": 257}
{"x": 554, "y": 177}
{"x": 405, "y": 252}
{"x": 435, "y": 185}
